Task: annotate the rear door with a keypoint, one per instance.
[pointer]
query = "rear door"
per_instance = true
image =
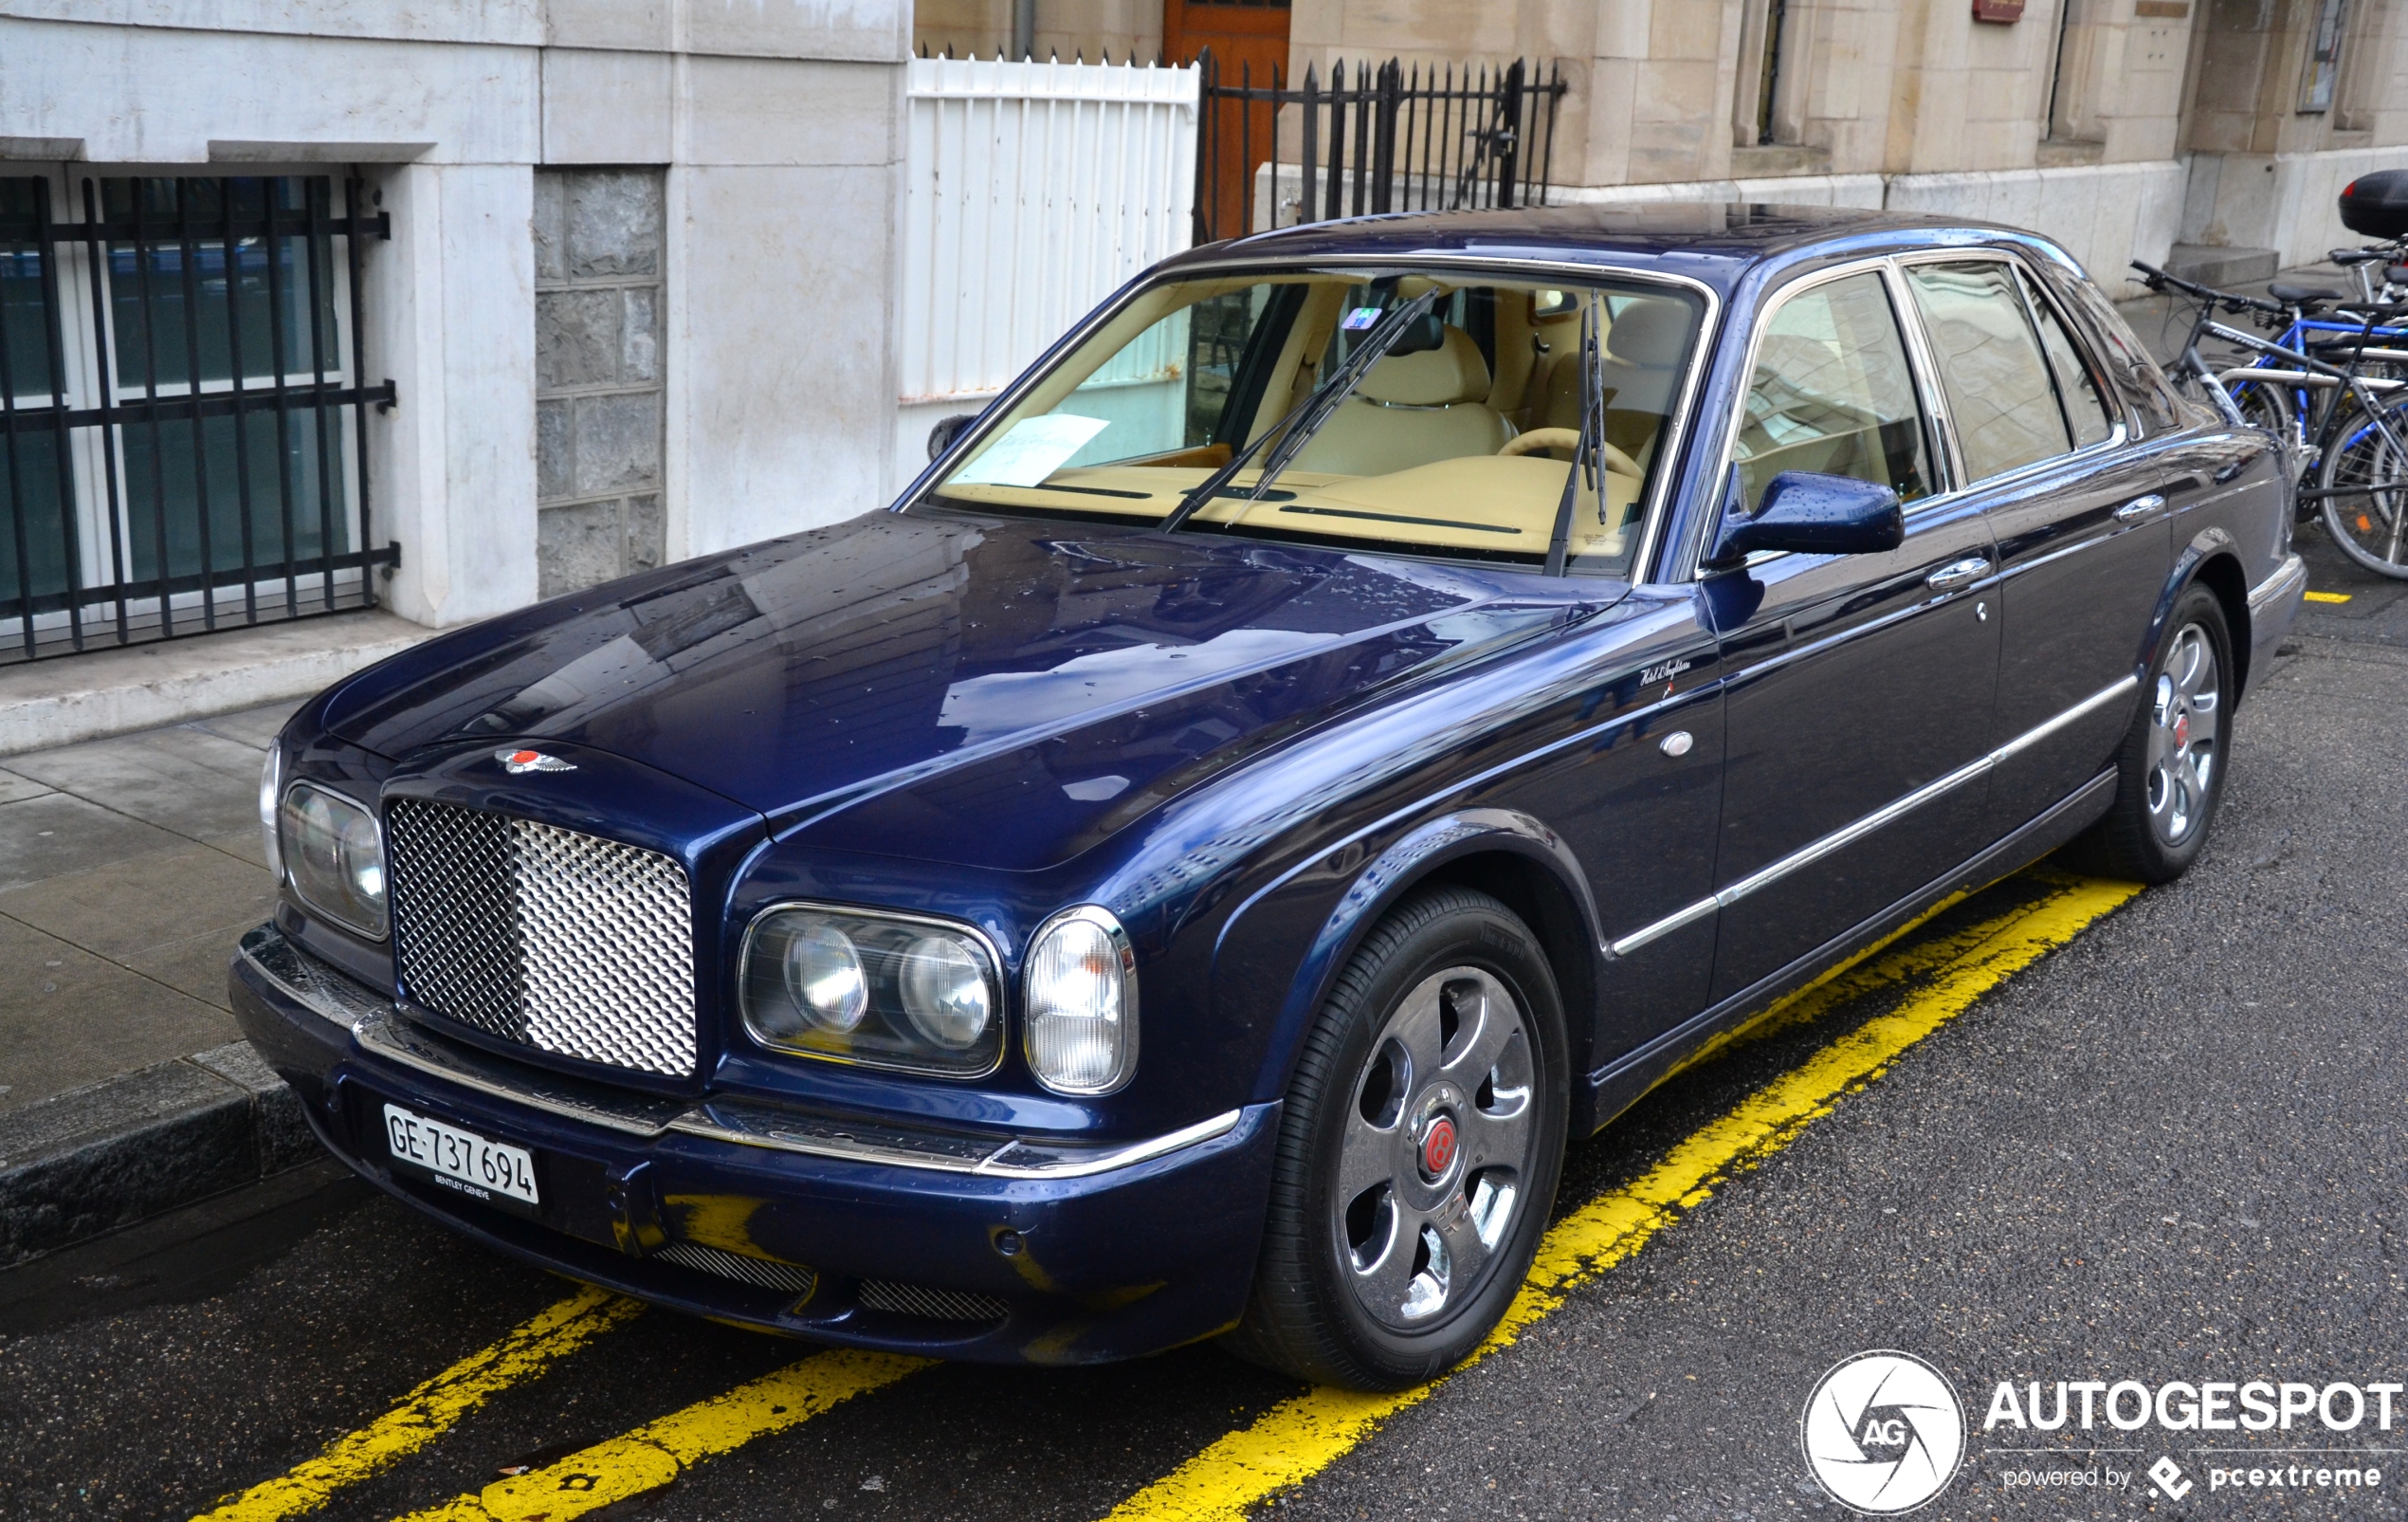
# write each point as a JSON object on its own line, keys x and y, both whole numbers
{"x": 1859, "y": 695}
{"x": 2080, "y": 514}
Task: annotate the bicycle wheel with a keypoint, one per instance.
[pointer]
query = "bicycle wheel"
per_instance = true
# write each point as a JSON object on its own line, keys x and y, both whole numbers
{"x": 2267, "y": 407}
{"x": 2368, "y": 518}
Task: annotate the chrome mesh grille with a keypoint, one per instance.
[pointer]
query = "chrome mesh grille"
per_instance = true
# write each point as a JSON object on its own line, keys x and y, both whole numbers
{"x": 759, "y": 1271}
{"x": 935, "y": 1305}
{"x": 566, "y": 942}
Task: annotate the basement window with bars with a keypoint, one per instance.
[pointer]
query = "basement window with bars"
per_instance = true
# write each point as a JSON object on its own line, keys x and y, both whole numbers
{"x": 183, "y": 432}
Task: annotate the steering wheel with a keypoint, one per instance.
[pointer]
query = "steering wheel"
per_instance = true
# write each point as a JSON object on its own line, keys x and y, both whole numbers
{"x": 1569, "y": 438}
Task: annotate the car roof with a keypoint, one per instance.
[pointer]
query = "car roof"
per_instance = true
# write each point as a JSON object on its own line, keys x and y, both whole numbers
{"x": 1715, "y": 242}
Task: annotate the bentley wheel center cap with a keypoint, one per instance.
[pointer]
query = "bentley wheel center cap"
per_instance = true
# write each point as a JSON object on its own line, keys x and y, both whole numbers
{"x": 1437, "y": 1147}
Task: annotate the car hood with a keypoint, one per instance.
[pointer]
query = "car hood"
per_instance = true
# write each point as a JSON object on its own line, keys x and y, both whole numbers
{"x": 1006, "y": 691}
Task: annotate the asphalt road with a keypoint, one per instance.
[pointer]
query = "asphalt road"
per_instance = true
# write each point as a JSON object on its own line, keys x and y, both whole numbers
{"x": 2169, "y": 1151}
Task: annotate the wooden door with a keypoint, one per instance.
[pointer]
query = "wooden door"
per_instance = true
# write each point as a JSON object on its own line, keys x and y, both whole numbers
{"x": 1249, "y": 40}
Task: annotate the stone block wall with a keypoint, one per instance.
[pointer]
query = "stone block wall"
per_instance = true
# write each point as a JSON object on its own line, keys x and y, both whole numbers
{"x": 600, "y": 264}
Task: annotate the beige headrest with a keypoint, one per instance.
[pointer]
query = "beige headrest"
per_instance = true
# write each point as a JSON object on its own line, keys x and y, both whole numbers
{"x": 1650, "y": 333}
{"x": 1453, "y": 372}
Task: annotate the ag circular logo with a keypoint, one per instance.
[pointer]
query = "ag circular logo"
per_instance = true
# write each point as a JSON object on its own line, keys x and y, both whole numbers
{"x": 1882, "y": 1432}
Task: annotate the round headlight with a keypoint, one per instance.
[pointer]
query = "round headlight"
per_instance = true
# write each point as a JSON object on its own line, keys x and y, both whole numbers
{"x": 824, "y": 972}
{"x": 945, "y": 991}
{"x": 1082, "y": 999}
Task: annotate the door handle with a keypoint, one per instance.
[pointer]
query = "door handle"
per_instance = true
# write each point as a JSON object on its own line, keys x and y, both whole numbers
{"x": 2139, "y": 507}
{"x": 1958, "y": 573}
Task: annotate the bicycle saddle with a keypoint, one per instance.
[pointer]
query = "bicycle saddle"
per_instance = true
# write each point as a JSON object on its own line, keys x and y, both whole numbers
{"x": 2303, "y": 295}
{"x": 2345, "y": 257}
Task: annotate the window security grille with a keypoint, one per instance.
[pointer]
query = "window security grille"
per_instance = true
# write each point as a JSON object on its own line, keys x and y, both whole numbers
{"x": 183, "y": 430}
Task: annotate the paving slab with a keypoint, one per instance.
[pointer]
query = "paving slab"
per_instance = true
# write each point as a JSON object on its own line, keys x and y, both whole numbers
{"x": 57, "y": 834}
{"x": 69, "y": 1017}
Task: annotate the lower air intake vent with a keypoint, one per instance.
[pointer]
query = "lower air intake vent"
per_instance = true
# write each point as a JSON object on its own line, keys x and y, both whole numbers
{"x": 759, "y": 1272}
{"x": 934, "y": 1305}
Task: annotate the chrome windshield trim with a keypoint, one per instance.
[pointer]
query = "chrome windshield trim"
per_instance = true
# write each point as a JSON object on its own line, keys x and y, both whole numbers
{"x": 1850, "y": 833}
{"x": 2292, "y": 570}
{"x": 378, "y": 1033}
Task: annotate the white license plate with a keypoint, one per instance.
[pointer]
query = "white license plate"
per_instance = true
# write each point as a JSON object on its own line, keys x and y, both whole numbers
{"x": 482, "y": 1168}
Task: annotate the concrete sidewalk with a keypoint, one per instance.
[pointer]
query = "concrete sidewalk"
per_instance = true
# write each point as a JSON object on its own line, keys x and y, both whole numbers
{"x": 128, "y": 868}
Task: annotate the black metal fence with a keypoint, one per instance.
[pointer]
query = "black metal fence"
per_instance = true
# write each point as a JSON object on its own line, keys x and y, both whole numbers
{"x": 183, "y": 417}
{"x": 1370, "y": 139}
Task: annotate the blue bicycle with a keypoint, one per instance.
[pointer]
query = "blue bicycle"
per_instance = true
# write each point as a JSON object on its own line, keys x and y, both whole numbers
{"x": 2330, "y": 387}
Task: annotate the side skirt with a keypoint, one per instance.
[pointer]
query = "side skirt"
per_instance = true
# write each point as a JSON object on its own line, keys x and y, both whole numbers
{"x": 1620, "y": 1084}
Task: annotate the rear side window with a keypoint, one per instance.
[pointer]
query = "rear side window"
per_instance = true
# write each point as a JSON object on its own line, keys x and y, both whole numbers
{"x": 1998, "y": 386}
{"x": 1832, "y": 393}
{"x": 2077, "y": 386}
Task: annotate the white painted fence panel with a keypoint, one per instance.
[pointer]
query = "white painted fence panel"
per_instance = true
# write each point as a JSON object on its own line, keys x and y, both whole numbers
{"x": 1035, "y": 190}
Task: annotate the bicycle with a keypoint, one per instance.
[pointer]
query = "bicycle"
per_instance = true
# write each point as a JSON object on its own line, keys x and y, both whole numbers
{"x": 2335, "y": 419}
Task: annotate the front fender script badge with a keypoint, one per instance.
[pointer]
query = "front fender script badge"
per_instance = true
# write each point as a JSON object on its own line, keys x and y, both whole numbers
{"x": 518, "y": 762}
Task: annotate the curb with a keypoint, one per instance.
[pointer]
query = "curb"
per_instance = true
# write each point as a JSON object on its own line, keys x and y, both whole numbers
{"x": 93, "y": 1160}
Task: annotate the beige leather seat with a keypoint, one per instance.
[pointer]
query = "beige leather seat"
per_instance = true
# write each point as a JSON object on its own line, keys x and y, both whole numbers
{"x": 1643, "y": 352}
{"x": 1412, "y": 409}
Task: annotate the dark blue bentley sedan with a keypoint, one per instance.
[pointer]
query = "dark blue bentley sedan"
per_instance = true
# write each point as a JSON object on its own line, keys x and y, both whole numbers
{"x": 1359, "y": 711}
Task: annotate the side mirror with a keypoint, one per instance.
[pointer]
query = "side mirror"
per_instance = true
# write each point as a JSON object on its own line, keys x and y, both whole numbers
{"x": 1810, "y": 514}
{"x": 947, "y": 429}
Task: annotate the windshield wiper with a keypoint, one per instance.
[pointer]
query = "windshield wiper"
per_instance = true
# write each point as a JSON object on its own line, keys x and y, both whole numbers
{"x": 1306, "y": 417}
{"x": 1584, "y": 453}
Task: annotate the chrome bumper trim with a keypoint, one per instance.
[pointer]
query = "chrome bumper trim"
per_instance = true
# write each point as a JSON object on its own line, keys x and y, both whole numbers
{"x": 1850, "y": 833}
{"x": 374, "y": 1026}
{"x": 2288, "y": 577}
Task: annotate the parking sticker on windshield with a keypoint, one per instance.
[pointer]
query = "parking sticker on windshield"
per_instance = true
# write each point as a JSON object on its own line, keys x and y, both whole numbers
{"x": 1032, "y": 450}
{"x": 1359, "y": 319}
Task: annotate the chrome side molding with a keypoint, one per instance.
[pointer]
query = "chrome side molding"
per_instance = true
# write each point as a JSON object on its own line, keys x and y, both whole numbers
{"x": 1857, "y": 829}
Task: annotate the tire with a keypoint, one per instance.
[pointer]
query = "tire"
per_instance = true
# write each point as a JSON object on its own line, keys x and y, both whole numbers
{"x": 1431, "y": 1095}
{"x": 2170, "y": 768}
{"x": 2370, "y": 526}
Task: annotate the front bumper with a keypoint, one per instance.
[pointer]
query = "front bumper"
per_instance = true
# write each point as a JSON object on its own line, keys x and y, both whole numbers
{"x": 1117, "y": 1250}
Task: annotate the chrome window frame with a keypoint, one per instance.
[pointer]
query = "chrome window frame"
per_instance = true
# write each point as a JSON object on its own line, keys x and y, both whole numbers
{"x": 2117, "y": 435}
{"x": 1923, "y": 361}
{"x": 1939, "y": 431}
{"x": 998, "y": 983}
{"x": 1574, "y": 272}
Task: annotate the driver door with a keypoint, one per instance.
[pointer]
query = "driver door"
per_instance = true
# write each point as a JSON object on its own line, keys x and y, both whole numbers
{"x": 1861, "y": 686}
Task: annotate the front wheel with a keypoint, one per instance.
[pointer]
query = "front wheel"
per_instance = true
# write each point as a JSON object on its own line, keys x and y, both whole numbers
{"x": 1419, "y": 1151}
{"x": 2367, "y": 513}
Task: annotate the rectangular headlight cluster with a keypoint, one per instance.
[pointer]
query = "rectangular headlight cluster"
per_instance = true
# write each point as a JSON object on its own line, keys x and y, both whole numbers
{"x": 888, "y": 991}
{"x": 333, "y": 856}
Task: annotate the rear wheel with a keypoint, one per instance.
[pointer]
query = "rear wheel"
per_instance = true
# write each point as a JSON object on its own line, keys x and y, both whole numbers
{"x": 1419, "y": 1151}
{"x": 2170, "y": 771}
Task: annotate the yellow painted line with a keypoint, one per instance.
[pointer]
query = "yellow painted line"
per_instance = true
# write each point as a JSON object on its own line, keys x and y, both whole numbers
{"x": 2329, "y": 597}
{"x": 1299, "y": 1437}
{"x": 431, "y": 1410}
{"x": 653, "y": 1454}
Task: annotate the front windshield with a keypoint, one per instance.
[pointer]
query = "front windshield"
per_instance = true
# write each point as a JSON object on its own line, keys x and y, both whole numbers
{"x": 1457, "y": 439}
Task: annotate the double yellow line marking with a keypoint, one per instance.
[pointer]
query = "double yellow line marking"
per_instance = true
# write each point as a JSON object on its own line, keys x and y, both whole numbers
{"x": 432, "y": 1409}
{"x": 653, "y": 1454}
{"x": 1294, "y": 1440}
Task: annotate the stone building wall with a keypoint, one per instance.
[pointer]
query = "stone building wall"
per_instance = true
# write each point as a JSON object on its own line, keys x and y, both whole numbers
{"x": 599, "y": 267}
